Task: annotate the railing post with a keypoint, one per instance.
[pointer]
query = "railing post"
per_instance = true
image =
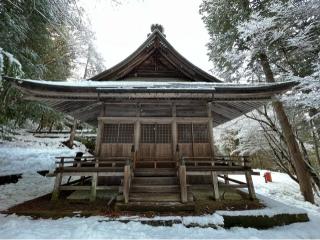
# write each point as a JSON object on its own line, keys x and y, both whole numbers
{"x": 251, "y": 191}
{"x": 57, "y": 182}
{"x": 56, "y": 188}
{"x": 215, "y": 185}
{"x": 94, "y": 187}
{"x": 126, "y": 182}
{"x": 183, "y": 181}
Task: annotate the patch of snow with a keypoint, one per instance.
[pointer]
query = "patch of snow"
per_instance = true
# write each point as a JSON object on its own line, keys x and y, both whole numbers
{"x": 215, "y": 219}
{"x": 272, "y": 208}
{"x": 140, "y": 84}
{"x": 27, "y": 153}
{"x": 32, "y": 185}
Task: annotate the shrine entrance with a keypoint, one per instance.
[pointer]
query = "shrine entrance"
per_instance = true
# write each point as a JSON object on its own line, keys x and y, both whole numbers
{"x": 155, "y": 148}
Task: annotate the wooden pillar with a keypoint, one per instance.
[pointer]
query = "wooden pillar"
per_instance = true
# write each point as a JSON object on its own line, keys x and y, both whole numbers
{"x": 100, "y": 131}
{"x": 215, "y": 185}
{"x": 174, "y": 133}
{"x": 56, "y": 188}
{"x": 252, "y": 193}
{"x": 137, "y": 131}
{"x": 126, "y": 183}
{"x": 99, "y": 137}
{"x": 210, "y": 126}
{"x": 94, "y": 184}
{"x": 183, "y": 183}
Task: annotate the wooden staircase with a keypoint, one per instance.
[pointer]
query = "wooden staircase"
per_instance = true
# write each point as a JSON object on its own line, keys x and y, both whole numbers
{"x": 156, "y": 189}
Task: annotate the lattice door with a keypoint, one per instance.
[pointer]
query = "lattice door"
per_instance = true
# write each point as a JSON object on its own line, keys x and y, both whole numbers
{"x": 117, "y": 140}
{"x": 193, "y": 139}
{"x": 155, "y": 142}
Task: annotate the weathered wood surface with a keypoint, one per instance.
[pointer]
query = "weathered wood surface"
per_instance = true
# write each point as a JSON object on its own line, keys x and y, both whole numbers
{"x": 115, "y": 150}
{"x": 215, "y": 186}
{"x": 183, "y": 183}
{"x": 126, "y": 183}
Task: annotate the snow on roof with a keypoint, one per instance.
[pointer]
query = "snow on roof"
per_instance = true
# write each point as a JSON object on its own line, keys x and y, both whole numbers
{"x": 136, "y": 83}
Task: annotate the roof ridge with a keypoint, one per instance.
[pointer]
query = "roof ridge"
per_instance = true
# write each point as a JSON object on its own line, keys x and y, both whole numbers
{"x": 184, "y": 63}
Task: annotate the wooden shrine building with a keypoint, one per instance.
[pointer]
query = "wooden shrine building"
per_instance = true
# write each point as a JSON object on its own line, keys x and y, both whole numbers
{"x": 154, "y": 114}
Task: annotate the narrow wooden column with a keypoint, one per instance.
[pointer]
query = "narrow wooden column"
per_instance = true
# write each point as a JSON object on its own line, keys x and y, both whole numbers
{"x": 137, "y": 130}
{"x": 56, "y": 188}
{"x": 174, "y": 133}
{"x": 252, "y": 193}
{"x": 99, "y": 138}
{"x": 183, "y": 183}
{"x": 215, "y": 185}
{"x": 94, "y": 184}
{"x": 100, "y": 131}
{"x": 126, "y": 183}
{"x": 210, "y": 126}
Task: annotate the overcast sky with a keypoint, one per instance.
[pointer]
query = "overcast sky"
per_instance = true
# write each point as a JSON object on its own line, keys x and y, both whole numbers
{"x": 120, "y": 29}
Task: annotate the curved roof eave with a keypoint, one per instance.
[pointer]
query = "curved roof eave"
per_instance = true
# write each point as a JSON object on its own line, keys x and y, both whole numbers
{"x": 90, "y": 87}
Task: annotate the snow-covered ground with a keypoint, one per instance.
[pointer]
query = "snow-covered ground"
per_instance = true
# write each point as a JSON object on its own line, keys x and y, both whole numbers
{"x": 28, "y": 154}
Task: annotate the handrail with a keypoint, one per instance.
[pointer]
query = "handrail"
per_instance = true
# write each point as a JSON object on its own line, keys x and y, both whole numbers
{"x": 83, "y": 157}
{"x": 93, "y": 162}
{"x": 216, "y": 160}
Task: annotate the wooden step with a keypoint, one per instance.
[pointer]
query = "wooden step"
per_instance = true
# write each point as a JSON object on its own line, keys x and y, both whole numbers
{"x": 159, "y": 172}
{"x": 155, "y": 180}
{"x": 155, "y": 197}
{"x": 158, "y": 197}
{"x": 156, "y": 206}
{"x": 155, "y": 188}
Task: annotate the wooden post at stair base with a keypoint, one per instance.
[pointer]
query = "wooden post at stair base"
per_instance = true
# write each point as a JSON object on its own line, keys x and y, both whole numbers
{"x": 215, "y": 185}
{"x": 57, "y": 182}
{"x": 183, "y": 183}
{"x": 252, "y": 193}
{"x": 126, "y": 183}
{"x": 226, "y": 177}
{"x": 56, "y": 188}
{"x": 94, "y": 184}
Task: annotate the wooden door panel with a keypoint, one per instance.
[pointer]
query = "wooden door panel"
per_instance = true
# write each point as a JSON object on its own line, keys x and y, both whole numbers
{"x": 164, "y": 151}
{"x": 155, "y": 142}
{"x": 201, "y": 149}
{"x": 115, "y": 150}
{"x": 185, "y": 149}
{"x": 117, "y": 140}
{"x": 193, "y": 140}
{"x": 146, "y": 151}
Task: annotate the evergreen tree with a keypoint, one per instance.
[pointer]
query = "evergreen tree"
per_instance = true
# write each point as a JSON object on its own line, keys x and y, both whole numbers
{"x": 38, "y": 41}
{"x": 269, "y": 41}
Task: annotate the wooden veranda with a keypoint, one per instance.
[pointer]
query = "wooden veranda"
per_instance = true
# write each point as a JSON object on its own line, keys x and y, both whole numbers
{"x": 216, "y": 167}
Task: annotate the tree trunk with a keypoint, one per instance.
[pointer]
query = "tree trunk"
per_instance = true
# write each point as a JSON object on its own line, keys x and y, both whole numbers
{"x": 69, "y": 142}
{"x": 315, "y": 138}
{"x": 303, "y": 175}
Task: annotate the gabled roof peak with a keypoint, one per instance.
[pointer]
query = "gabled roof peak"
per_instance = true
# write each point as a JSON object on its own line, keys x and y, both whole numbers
{"x": 157, "y": 28}
{"x": 156, "y": 57}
